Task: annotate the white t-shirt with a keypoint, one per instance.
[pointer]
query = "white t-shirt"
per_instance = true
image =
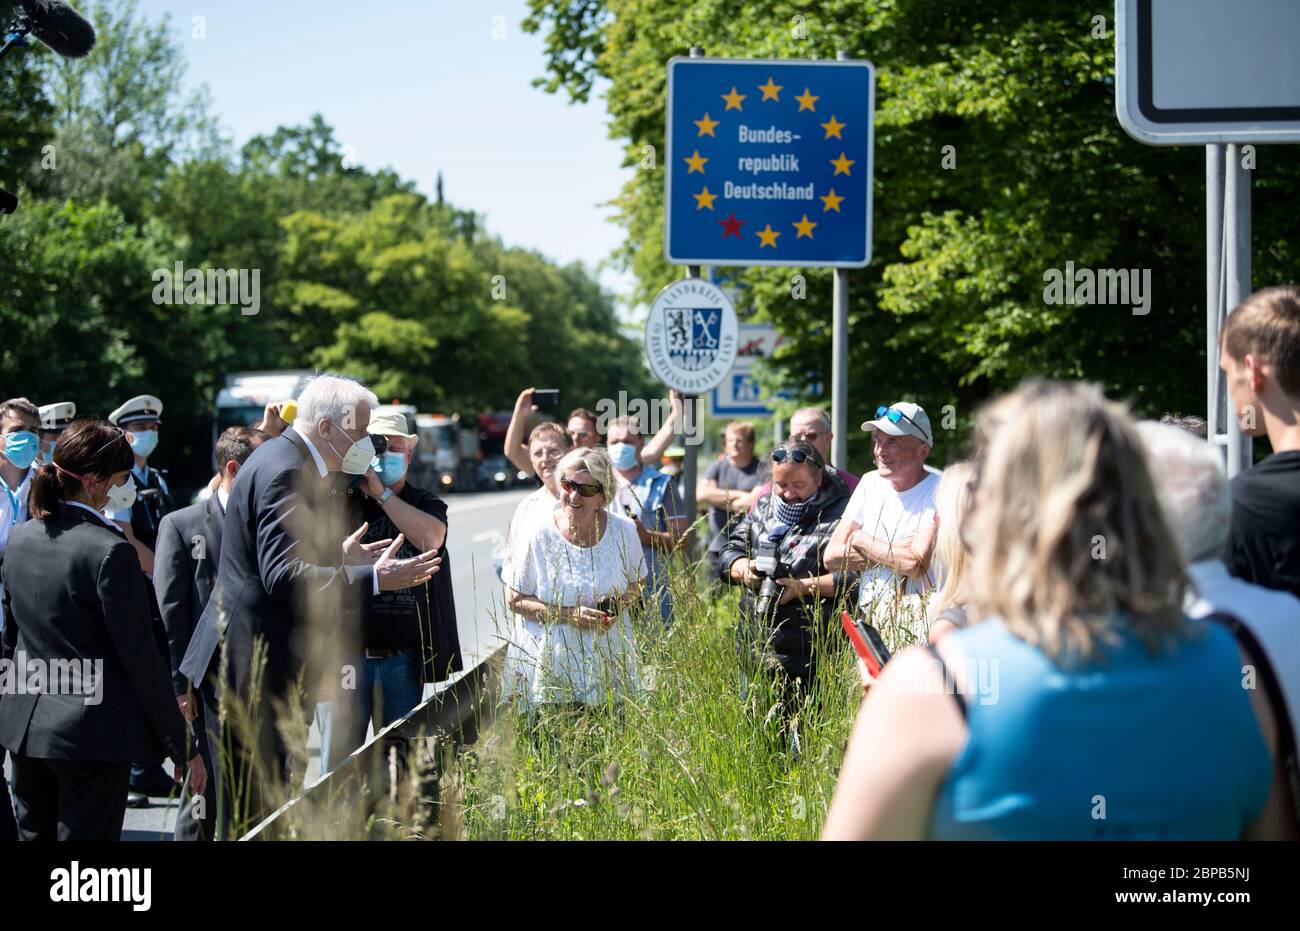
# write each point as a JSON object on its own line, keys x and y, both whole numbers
{"x": 536, "y": 508}
{"x": 559, "y": 662}
{"x": 890, "y": 515}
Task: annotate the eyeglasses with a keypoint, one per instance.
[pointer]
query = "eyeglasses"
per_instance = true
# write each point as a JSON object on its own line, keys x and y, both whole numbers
{"x": 781, "y": 454}
{"x": 587, "y": 491}
{"x": 549, "y": 454}
{"x": 894, "y": 416}
{"x": 579, "y": 435}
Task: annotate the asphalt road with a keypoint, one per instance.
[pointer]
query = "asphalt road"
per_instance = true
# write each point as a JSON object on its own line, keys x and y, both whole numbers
{"x": 477, "y": 527}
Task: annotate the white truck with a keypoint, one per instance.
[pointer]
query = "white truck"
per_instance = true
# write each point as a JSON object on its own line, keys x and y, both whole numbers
{"x": 448, "y": 453}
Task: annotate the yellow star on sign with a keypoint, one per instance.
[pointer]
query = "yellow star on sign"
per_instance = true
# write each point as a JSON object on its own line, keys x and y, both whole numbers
{"x": 832, "y": 201}
{"x": 771, "y": 90}
{"x": 842, "y": 165}
{"x": 733, "y": 99}
{"x": 767, "y": 237}
{"x": 805, "y": 228}
{"x": 704, "y": 198}
{"x": 806, "y": 101}
{"x": 833, "y": 128}
{"x": 706, "y": 126}
{"x": 696, "y": 161}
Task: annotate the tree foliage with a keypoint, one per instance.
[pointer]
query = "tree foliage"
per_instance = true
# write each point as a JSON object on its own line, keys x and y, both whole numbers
{"x": 952, "y": 308}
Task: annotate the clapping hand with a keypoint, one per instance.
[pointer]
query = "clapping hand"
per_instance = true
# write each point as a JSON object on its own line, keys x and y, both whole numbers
{"x": 356, "y": 553}
{"x": 395, "y": 574}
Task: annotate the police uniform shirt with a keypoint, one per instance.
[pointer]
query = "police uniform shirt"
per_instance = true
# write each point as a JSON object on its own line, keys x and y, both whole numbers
{"x": 13, "y": 511}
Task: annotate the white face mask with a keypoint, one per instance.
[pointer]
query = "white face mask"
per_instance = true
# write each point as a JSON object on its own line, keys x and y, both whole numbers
{"x": 359, "y": 455}
{"x": 122, "y": 496}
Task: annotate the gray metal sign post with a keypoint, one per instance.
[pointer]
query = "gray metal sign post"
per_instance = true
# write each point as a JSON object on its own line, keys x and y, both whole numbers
{"x": 1224, "y": 75}
{"x": 840, "y": 359}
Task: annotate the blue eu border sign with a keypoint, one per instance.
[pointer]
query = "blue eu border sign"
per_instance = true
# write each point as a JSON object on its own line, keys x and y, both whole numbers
{"x": 769, "y": 162}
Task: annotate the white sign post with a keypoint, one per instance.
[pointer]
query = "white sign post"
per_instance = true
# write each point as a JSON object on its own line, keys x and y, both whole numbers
{"x": 1224, "y": 74}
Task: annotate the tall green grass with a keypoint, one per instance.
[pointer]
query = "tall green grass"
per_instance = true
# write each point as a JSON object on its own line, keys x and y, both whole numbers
{"x": 689, "y": 759}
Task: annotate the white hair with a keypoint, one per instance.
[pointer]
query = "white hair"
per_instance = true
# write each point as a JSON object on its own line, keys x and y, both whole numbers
{"x": 1192, "y": 487}
{"x": 332, "y": 397}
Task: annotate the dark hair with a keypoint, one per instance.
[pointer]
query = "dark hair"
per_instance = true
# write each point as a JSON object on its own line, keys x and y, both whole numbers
{"x": 1267, "y": 325}
{"x": 585, "y": 415}
{"x": 814, "y": 460}
{"x": 1189, "y": 422}
{"x": 89, "y": 448}
{"x": 20, "y": 406}
{"x": 236, "y": 444}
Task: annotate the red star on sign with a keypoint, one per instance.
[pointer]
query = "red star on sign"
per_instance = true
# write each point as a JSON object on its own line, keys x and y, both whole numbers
{"x": 731, "y": 226}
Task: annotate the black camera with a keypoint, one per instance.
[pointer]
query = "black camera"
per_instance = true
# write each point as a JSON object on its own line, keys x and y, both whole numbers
{"x": 767, "y": 563}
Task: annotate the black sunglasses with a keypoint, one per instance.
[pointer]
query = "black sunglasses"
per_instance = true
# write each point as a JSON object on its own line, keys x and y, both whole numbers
{"x": 587, "y": 491}
{"x": 795, "y": 455}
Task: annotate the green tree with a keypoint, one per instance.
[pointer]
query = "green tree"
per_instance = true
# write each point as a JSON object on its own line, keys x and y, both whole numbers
{"x": 952, "y": 307}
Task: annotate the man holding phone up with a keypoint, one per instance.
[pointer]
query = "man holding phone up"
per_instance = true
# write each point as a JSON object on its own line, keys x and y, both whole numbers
{"x": 649, "y": 497}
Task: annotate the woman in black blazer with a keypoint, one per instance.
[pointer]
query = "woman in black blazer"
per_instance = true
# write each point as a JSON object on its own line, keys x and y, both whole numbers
{"x": 89, "y": 691}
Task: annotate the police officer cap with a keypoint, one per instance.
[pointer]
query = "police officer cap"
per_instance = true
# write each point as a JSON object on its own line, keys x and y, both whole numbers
{"x": 58, "y": 415}
{"x": 141, "y": 407}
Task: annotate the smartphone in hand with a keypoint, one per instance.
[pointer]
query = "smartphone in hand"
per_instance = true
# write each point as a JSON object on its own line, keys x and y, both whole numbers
{"x": 546, "y": 399}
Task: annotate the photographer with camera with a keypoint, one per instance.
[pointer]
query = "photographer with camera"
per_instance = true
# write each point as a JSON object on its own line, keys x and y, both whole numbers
{"x": 775, "y": 552}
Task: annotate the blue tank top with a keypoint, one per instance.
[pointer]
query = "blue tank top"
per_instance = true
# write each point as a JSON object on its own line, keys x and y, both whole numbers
{"x": 1162, "y": 747}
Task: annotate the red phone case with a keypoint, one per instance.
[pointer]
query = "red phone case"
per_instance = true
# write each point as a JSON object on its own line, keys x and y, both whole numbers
{"x": 860, "y": 645}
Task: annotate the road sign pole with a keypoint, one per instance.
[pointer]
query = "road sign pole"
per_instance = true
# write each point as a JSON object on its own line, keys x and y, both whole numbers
{"x": 1213, "y": 284}
{"x": 840, "y": 358}
{"x": 690, "y": 432}
{"x": 1236, "y": 213}
{"x": 840, "y": 369}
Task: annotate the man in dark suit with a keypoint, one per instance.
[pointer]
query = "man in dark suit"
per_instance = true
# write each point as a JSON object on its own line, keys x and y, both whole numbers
{"x": 292, "y": 583}
{"x": 187, "y": 553}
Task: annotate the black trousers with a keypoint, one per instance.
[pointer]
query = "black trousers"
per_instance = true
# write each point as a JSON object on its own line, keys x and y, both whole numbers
{"x": 8, "y": 826}
{"x": 196, "y": 819}
{"x": 70, "y": 799}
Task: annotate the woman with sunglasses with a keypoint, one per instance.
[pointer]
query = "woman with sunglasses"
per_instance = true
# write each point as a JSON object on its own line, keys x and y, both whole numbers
{"x": 784, "y": 607}
{"x": 75, "y": 603}
{"x": 572, "y": 582}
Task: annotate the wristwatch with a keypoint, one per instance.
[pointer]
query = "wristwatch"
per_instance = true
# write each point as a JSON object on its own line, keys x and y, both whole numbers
{"x": 383, "y": 499}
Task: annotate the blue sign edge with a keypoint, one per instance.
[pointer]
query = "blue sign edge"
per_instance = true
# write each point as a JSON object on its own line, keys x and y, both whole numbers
{"x": 668, "y": 147}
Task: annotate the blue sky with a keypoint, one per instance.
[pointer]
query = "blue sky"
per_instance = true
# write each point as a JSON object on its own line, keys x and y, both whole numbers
{"x": 421, "y": 87}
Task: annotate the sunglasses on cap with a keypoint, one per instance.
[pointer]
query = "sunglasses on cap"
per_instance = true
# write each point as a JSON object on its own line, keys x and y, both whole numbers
{"x": 894, "y": 416}
{"x": 587, "y": 491}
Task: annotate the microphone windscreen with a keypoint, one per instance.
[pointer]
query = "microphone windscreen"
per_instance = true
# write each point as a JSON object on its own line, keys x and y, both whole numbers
{"x": 60, "y": 27}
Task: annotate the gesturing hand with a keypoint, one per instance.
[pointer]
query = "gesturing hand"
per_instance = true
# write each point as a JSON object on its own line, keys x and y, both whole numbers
{"x": 395, "y": 574}
{"x": 356, "y": 553}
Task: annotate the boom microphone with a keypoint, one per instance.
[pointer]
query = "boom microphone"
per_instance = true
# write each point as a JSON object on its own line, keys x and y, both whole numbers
{"x": 58, "y": 25}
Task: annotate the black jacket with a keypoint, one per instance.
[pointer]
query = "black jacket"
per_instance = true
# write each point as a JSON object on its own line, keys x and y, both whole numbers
{"x": 74, "y": 592}
{"x": 787, "y": 636}
{"x": 421, "y": 618}
{"x": 281, "y": 558}
{"x": 184, "y": 574}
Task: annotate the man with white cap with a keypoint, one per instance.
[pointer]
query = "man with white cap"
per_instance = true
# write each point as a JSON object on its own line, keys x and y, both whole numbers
{"x": 408, "y": 637}
{"x": 54, "y": 420}
{"x": 140, "y": 418}
{"x": 888, "y": 528}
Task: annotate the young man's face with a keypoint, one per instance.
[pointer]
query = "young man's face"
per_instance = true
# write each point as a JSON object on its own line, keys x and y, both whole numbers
{"x": 738, "y": 446}
{"x": 16, "y": 422}
{"x": 1243, "y": 378}
{"x": 583, "y": 433}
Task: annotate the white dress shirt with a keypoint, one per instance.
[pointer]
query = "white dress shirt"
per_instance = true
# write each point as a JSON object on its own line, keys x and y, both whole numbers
{"x": 1272, "y": 616}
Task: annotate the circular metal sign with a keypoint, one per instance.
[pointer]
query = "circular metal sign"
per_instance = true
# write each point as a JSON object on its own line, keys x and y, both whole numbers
{"x": 691, "y": 337}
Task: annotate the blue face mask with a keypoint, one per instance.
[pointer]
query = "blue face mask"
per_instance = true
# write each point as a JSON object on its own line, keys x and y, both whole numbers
{"x": 390, "y": 467}
{"x": 144, "y": 442}
{"x": 623, "y": 455}
{"x": 21, "y": 448}
{"x": 49, "y": 456}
